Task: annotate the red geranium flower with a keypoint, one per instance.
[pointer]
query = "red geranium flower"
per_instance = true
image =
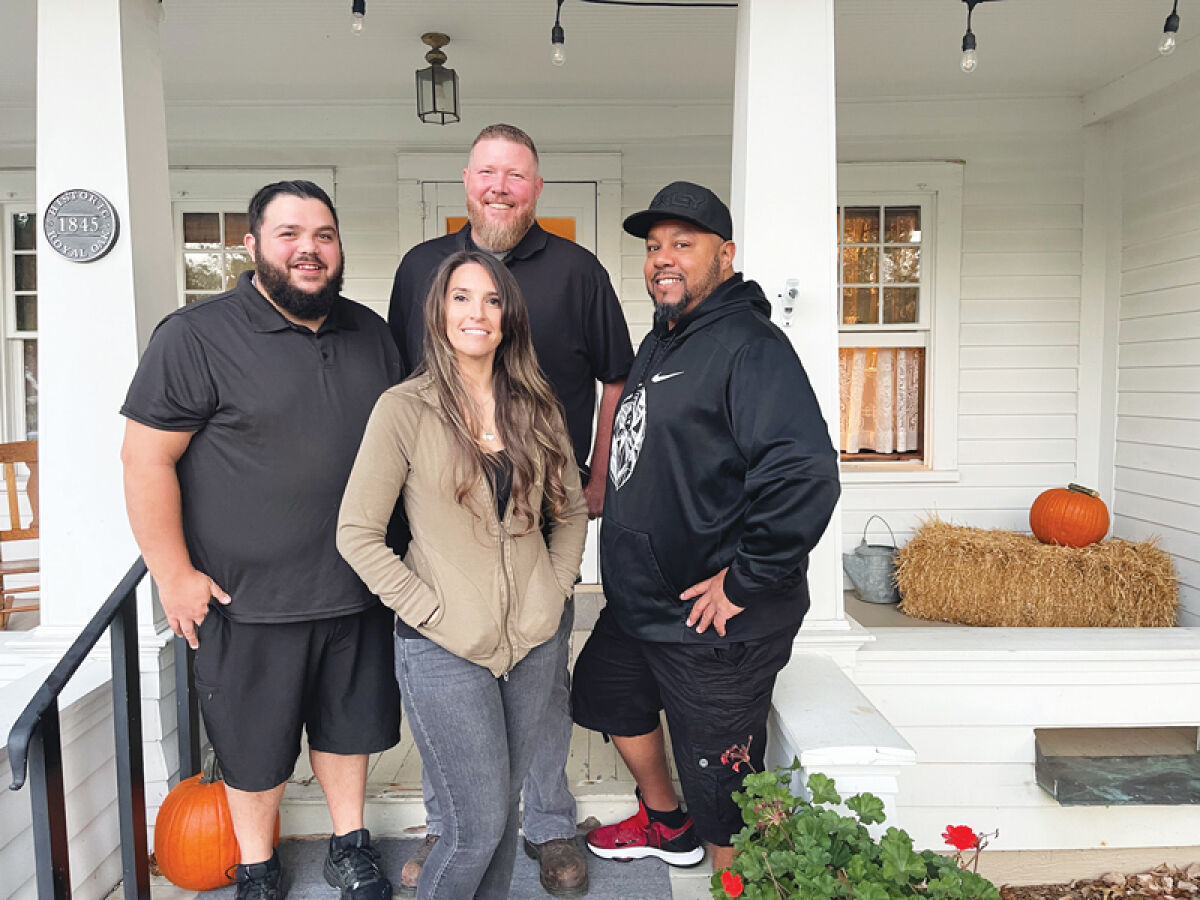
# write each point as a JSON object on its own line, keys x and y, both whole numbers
{"x": 960, "y": 837}
{"x": 732, "y": 883}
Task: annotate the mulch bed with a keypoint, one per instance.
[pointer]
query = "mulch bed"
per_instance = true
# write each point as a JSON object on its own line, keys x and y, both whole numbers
{"x": 1163, "y": 883}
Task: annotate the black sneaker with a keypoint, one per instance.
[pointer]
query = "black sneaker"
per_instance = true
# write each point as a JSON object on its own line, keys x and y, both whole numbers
{"x": 352, "y": 866}
{"x": 259, "y": 881}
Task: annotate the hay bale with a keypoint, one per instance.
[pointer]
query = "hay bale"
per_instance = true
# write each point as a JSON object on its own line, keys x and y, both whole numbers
{"x": 974, "y": 576}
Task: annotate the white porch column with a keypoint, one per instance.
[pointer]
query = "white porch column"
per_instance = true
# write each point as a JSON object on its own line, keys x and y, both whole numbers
{"x": 784, "y": 199}
{"x": 100, "y": 126}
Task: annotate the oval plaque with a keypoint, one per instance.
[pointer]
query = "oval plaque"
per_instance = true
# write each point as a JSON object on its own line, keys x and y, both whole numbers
{"x": 81, "y": 225}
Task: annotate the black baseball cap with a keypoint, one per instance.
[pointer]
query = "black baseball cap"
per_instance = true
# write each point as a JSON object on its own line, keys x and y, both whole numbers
{"x": 687, "y": 202}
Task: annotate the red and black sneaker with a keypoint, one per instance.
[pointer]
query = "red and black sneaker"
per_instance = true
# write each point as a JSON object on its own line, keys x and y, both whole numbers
{"x": 637, "y": 838}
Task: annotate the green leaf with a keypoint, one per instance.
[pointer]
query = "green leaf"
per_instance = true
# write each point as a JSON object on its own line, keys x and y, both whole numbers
{"x": 822, "y": 789}
{"x": 898, "y": 860}
{"x": 870, "y": 892}
{"x": 868, "y": 807}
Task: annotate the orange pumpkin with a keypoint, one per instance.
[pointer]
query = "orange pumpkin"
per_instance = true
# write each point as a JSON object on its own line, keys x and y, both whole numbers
{"x": 194, "y": 844}
{"x": 1073, "y": 516}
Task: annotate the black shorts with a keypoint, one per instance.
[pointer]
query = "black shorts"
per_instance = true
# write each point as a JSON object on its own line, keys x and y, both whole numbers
{"x": 714, "y": 697}
{"x": 260, "y": 684}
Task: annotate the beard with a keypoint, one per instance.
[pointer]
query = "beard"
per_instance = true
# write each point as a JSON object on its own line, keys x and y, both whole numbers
{"x": 303, "y": 305}
{"x": 670, "y": 313}
{"x": 498, "y": 237}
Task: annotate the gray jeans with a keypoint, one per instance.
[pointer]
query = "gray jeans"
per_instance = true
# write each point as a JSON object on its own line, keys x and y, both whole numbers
{"x": 476, "y": 734}
{"x": 549, "y": 804}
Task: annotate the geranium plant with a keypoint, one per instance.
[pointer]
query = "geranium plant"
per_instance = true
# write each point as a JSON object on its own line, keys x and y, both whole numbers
{"x": 793, "y": 848}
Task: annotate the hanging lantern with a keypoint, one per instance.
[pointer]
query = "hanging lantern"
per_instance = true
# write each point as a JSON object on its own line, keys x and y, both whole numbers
{"x": 437, "y": 86}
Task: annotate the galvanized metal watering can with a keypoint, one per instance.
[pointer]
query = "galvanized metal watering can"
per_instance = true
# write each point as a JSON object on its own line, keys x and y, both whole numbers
{"x": 871, "y": 568}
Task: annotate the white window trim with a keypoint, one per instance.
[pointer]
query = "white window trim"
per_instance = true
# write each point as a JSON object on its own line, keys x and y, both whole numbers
{"x": 412, "y": 169}
{"x": 16, "y": 195}
{"x": 229, "y": 190}
{"x": 944, "y": 180}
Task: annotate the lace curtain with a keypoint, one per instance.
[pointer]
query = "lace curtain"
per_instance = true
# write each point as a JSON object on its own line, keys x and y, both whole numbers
{"x": 880, "y": 399}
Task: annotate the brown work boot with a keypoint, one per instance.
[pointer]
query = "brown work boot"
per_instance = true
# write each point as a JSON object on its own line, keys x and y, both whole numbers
{"x": 411, "y": 873}
{"x": 563, "y": 867}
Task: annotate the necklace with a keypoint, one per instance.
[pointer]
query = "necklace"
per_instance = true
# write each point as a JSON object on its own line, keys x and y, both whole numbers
{"x": 488, "y": 435}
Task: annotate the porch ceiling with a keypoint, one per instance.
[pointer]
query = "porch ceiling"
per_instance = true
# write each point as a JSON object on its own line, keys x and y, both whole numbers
{"x": 295, "y": 50}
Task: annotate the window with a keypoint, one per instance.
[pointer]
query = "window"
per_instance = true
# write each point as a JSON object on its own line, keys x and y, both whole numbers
{"x": 899, "y": 246}
{"x": 213, "y": 253}
{"x": 883, "y": 331}
{"x": 19, "y": 241}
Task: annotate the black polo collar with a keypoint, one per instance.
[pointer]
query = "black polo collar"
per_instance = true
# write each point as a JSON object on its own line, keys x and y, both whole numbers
{"x": 532, "y": 243}
{"x": 265, "y": 318}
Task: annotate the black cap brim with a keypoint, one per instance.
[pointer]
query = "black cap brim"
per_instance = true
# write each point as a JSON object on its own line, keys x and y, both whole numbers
{"x": 640, "y": 223}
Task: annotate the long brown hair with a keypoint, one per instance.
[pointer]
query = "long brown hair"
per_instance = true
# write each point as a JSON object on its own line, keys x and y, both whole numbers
{"x": 529, "y": 418}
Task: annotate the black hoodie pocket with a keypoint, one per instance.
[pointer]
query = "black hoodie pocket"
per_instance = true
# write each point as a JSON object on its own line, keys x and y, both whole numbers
{"x": 631, "y": 573}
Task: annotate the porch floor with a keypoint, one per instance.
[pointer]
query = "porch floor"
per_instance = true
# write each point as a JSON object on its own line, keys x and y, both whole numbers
{"x": 601, "y": 783}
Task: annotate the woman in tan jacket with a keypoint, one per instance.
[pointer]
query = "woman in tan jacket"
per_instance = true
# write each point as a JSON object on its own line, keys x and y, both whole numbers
{"x": 475, "y": 446}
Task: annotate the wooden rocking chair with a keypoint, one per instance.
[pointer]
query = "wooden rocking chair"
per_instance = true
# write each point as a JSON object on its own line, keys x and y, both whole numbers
{"x": 10, "y": 455}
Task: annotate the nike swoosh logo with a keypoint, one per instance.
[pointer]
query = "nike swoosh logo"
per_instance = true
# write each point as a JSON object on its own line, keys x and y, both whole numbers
{"x": 661, "y": 377}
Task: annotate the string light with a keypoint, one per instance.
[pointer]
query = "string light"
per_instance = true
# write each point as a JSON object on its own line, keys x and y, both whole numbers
{"x": 970, "y": 59}
{"x": 1170, "y": 28}
{"x": 558, "y": 39}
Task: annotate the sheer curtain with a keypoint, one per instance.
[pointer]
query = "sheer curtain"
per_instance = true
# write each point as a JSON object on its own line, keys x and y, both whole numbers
{"x": 880, "y": 399}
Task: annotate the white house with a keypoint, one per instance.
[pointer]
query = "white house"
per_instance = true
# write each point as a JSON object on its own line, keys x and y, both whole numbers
{"x": 1052, "y": 323}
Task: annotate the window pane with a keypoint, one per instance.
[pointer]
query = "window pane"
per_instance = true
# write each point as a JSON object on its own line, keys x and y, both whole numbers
{"x": 902, "y": 225}
{"x": 31, "y": 390}
{"x": 26, "y": 312}
{"x": 862, "y": 225}
{"x": 24, "y": 231}
{"x": 902, "y": 264}
{"x": 860, "y": 306}
{"x": 236, "y": 227}
{"x": 194, "y": 298}
{"x": 860, "y": 265}
{"x": 237, "y": 263}
{"x": 882, "y": 402}
{"x": 900, "y": 305}
{"x": 25, "y": 272}
{"x": 201, "y": 230}
{"x": 202, "y": 271}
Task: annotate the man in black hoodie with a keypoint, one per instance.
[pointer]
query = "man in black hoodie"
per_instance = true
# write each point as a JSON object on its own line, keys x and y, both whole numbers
{"x": 722, "y": 478}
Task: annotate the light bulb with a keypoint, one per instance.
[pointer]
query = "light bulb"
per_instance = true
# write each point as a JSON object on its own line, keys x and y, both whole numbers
{"x": 356, "y": 23}
{"x": 969, "y": 61}
{"x": 558, "y": 45}
{"x": 1167, "y": 45}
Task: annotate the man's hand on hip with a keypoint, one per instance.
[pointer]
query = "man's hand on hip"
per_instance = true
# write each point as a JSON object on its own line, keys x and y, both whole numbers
{"x": 712, "y": 607}
{"x": 185, "y": 601}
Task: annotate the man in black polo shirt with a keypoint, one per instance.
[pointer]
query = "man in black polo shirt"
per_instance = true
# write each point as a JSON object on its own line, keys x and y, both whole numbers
{"x": 580, "y": 337}
{"x": 244, "y": 418}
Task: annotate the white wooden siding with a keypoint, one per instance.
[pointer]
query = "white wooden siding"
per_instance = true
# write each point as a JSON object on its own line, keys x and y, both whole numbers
{"x": 366, "y": 202}
{"x": 1157, "y": 477}
{"x": 968, "y": 701}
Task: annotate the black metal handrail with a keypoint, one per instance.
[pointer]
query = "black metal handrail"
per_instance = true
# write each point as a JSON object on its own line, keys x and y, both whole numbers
{"x": 35, "y": 742}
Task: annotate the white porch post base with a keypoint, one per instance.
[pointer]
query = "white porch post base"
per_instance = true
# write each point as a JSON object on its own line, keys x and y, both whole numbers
{"x": 820, "y": 717}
